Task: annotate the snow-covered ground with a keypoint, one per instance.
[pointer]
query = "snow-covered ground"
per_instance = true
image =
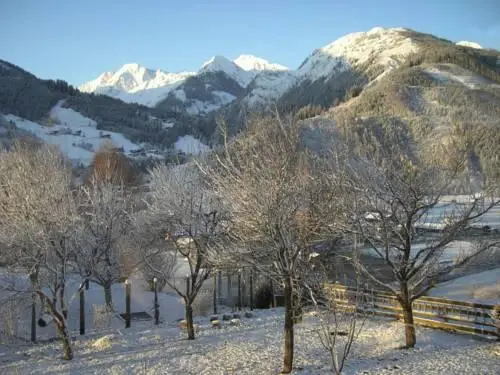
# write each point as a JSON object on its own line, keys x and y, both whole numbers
{"x": 453, "y": 251}
{"x": 387, "y": 47}
{"x": 255, "y": 347}
{"x": 482, "y": 287}
{"x": 141, "y": 301}
{"x": 459, "y": 76}
{"x": 75, "y": 134}
{"x": 190, "y": 145}
{"x": 436, "y": 218}
{"x": 466, "y": 43}
{"x": 221, "y": 98}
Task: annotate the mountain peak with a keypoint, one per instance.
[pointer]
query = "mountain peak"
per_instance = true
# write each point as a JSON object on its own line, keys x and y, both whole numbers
{"x": 465, "y": 43}
{"x": 253, "y": 63}
{"x": 382, "y": 46}
{"x": 131, "y": 67}
{"x": 217, "y": 63}
{"x": 221, "y": 64}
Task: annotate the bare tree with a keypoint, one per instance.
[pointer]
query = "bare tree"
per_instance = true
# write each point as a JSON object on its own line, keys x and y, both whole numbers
{"x": 341, "y": 317}
{"x": 268, "y": 180}
{"x": 38, "y": 219}
{"x": 183, "y": 222}
{"x": 105, "y": 208}
{"x": 400, "y": 213}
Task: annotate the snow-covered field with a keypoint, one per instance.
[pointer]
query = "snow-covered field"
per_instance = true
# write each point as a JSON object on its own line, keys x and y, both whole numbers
{"x": 453, "y": 251}
{"x": 436, "y": 218}
{"x": 255, "y": 347}
{"x": 75, "y": 134}
{"x": 482, "y": 287}
{"x": 190, "y": 145}
{"x": 141, "y": 301}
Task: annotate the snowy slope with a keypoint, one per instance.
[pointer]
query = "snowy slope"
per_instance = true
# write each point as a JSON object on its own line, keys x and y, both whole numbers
{"x": 379, "y": 46}
{"x": 197, "y": 107}
{"x": 221, "y": 64}
{"x": 135, "y": 83}
{"x": 252, "y": 63}
{"x": 269, "y": 86}
{"x": 469, "y": 44}
{"x": 456, "y": 75}
{"x": 75, "y": 134}
{"x": 190, "y": 145}
{"x": 482, "y": 287}
{"x": 265, "y": 81}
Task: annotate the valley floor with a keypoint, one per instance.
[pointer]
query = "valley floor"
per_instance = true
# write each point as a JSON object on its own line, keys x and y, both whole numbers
{"x": 255, "y": 347}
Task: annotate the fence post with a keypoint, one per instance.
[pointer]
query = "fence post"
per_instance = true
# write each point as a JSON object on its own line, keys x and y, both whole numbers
{"x": 215, "y": 293}
{"x": 229, "y": 292}
{"x": 127, "y": 303}
{"x": 273, "y": 296}
{"x": 33, "y": 319}
{"x": 219, "y": 285}
{"x": 251, "y": 290}
{"x": 82, "y": 309}
{"x": 157, "y": 306}
{"x": 239, "y": 289}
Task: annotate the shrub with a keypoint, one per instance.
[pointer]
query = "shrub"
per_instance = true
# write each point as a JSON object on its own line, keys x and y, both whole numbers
{"x": 308, "y": 111}
{"x": 353, "y": 92}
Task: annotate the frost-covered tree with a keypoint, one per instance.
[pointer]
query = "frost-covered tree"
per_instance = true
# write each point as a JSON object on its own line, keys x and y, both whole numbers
{"x": 38, "y": 222}
{"x": 105, "y": 209}
{"x": 270, "y": 184}
{"x": 181, "y": 226}
{"x": 401, "y": 212}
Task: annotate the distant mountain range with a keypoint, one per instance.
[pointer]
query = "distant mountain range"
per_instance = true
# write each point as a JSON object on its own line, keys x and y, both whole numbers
{"x": 133, "y": 83}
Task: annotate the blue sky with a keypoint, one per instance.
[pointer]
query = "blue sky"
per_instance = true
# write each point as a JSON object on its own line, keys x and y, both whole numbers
{"x": 77, "y": 40}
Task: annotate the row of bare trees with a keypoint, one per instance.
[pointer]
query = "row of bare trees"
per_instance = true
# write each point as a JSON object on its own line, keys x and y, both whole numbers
{"x": 264, "y": 199}
{"x": 52, "y": 229}
{"x": 283, "y": 198}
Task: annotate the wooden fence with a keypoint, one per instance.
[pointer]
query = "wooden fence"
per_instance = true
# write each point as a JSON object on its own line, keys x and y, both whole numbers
{"x": 433, "y": 312}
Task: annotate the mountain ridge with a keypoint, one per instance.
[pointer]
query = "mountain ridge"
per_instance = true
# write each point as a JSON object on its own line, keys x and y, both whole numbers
{"x": 384, "y": 75}
{"x": 377, "y": 46}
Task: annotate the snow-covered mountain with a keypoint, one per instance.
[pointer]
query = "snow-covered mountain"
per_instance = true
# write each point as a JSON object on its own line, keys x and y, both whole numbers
{"x": 378, "y": 46}
{"x": 465, "y": 43}
{"x": 134, "y": 83}
{"x": 221, "y": 64}
{"x": 178, "y": 106}
{"x": 262, "y": 82}
{"x": 252, "y": 63}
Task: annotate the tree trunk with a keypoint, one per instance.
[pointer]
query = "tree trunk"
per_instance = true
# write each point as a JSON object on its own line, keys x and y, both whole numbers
{"x": 297, "y": 308}
{"x": 407, "y": 307}
{"x": 189, "y": 321}
{"x": 288, "y": 356}
{"x": 62, "y": 303}
{"x": 108, "y": 297}
{"x": 62, "y": 330}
